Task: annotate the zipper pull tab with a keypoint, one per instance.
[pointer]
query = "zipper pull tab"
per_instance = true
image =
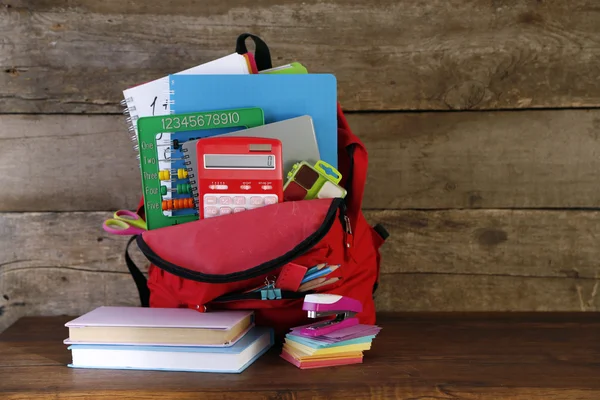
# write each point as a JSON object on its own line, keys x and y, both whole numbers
{"x": 347, "y": 225}
{"x": 348, "y": 230}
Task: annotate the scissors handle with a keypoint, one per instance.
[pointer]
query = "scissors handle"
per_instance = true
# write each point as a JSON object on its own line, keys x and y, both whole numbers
{"x": 119, "y": 227}
{"x": 131, "y": 218}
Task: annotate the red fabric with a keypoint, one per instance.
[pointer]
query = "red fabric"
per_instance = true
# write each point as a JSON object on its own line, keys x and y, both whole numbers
{"x": 238, "y": 242}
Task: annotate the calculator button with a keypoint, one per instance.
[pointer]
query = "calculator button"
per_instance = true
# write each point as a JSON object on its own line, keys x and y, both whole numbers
{"x": 210, "y": 200}
{"x": 267, "y": 187}
{"x": 218, "y": 187}
{"x": 225, "y": 210}
{"x": 239, "y": 200}
{"x": 245, "y": 187}
{"x": 210, "y": 211}
{"x": 256, "y": 201}
{"x": 271, "y": 200}
{"x": 239, "y": 209}
{"x": 225, "y": 200}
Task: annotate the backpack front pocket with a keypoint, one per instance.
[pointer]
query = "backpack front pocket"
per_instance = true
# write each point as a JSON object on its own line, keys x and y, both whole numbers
{"x": 233, "y": 252}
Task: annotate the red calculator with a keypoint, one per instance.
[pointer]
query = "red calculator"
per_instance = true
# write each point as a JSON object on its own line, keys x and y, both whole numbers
{"x": 236, "y": 174}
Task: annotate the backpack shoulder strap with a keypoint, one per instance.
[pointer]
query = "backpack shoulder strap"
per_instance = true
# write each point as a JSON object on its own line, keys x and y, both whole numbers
{"x": 353, "y": 161}
{"x": 262, "y": 55}
{"x": 138, "y": 277}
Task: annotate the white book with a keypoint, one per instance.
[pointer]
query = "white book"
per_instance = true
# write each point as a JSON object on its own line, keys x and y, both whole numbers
{"x": 232, "y": 359}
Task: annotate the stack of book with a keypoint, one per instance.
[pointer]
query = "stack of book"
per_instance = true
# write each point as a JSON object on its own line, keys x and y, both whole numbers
{"x": 341, "y": 347}
{"x": 175, "y": 339}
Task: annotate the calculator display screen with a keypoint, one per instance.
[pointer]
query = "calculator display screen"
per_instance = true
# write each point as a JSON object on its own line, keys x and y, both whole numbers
{"x": 239, "y": 161}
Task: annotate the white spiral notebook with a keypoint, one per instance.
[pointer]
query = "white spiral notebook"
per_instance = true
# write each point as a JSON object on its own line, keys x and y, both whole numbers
{"x": 152, "y": 98}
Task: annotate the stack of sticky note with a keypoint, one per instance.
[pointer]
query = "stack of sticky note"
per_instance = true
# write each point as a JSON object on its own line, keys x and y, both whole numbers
{"x": 341, "y": 347}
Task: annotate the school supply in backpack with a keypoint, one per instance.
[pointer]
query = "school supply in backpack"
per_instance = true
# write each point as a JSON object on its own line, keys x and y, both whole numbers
{"x": 159, "y": 327}
{"x": 233, "y": 359}
{"x": 152, "y": 98}
{"x": 306, "y": 182}
{"x": 236, "y": 174}
{"x": 167, "y": 192}
{"x": 290, "y": 277}
{"x": 280, "y": 96}
{"x": 297, "y": 136}
{"x": 317, "y": 283}
{"x": 292, "y": 68}
{"x": 125, "y": 222}
{"x": 311, "y": 276}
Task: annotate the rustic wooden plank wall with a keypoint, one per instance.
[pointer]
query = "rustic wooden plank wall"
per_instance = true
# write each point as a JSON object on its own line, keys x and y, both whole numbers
{"x": 486, "y": 109}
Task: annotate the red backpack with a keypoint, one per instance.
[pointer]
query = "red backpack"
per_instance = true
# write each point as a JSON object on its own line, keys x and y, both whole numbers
{"x": 209, "y": 264}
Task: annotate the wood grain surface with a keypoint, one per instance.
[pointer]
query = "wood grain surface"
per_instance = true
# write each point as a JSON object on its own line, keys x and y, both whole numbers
{"x": 63, "y": 56}
{"x": 514, "y": 356}
{"x": 529, "y": 159}
{"x": 479, "y": 260}
{"x": 489, "y": 209}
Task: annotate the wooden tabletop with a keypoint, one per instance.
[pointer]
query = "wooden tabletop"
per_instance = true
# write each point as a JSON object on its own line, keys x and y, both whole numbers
{"x": 416, "y": 356}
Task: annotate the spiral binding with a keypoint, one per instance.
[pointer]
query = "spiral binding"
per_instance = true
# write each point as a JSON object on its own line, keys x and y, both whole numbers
{"x": 191, "y": 178}
{"x": 129, "y": 111}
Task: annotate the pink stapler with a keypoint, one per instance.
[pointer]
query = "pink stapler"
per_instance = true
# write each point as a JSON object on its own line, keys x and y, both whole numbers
{"x": 322, "y": 305}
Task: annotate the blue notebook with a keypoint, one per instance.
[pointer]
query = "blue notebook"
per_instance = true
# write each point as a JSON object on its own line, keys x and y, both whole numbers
{"x": 280, "y": 96}
{"x": 232, "y": 359}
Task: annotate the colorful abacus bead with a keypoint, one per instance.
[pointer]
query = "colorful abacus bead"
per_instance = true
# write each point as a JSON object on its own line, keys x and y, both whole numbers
{"x": 182, "y": 173}
{"x": 164, "y": 175}
{"x": 184, "y": 188}
{"x": 177, "y": 204}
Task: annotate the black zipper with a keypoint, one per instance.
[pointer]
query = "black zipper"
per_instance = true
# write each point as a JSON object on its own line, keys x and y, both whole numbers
{"x": 350, "y": 150}
{"x": 259, "y": 270}
{"x": 344, "y": 207}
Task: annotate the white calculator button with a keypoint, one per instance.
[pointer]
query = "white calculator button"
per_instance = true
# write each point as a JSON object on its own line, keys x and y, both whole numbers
{"x": 256, "y": 201}
{"x": 245, "y": 187}
{"x": 271, "y": 200}
{"x": 239, "y": 200}
{"x": 266, "y": 187}
{"x": 218, "y": 187}
{"x": 210, "y": 211}
{"x": 225, "y": 210}
{"x": 239, "y": 209}
{"x": 210, "y": 200}
{"x": 225, "y": 200}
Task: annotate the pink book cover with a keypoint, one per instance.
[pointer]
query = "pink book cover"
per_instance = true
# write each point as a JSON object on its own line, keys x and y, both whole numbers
{"x": 142, "y": 317}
